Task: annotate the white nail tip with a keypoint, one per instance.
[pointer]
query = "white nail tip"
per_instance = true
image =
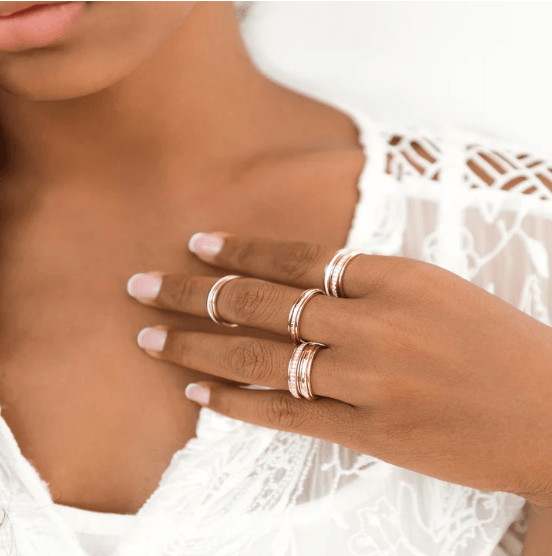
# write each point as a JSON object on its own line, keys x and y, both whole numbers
{"x": 130, "y": 282}
{"x": 141, "y": 335}
{"x": 192, "y": 241}
{"x": 187, "y": 391}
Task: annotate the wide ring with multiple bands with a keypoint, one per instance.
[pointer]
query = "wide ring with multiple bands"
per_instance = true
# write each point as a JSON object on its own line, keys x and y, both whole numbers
{"x": 299, "y": 370}
{"x": 212, "y": 299}
{"x": 333, "y": 272}
{"x": 295, "y": 313}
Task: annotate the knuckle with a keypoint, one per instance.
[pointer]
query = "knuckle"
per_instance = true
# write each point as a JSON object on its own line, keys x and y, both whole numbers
{"x": 300, "y": 261}
{"x": 244, "y": 254}
{"x": 182, "y": 349}
{"x": 255, "y": 304}
{"x": 181, "y": 289}
{"x": 247, "y": 360}
{"x": 281, "y": 412}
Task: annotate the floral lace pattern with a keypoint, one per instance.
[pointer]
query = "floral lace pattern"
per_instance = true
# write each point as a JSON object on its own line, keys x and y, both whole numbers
{"x": 464, "y": 202}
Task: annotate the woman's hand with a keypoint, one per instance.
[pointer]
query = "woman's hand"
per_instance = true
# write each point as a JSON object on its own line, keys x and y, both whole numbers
{"x": 422, "y": 369}
{"x": 538, "y": 539}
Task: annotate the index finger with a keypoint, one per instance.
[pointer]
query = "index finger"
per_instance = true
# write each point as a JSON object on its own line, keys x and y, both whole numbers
{"x": 296, "y": 263}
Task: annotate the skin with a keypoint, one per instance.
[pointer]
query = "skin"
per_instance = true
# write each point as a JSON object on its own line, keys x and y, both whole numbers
{"x": 425, "y": 375}
{"x": 112, "y": 162}
{"x": 538, "y": 539}
{"x": 146, "y": 123}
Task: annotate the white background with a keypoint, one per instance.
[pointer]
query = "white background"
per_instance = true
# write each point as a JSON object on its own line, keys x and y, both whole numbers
{"x": 481, "y": 65}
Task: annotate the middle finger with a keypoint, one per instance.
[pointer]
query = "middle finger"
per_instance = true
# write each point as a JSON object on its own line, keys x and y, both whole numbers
{"x": 250, "y": 302}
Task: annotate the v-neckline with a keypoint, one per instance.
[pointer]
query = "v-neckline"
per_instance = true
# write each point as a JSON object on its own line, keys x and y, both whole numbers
{"x": 202, "y": 438}
{"x": 211, "y": 427}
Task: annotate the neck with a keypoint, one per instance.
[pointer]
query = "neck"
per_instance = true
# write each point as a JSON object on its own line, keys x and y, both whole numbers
{"x": 188, "y": 105}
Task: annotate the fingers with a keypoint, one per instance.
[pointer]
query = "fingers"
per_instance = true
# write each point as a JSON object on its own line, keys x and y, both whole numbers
{"x": 324, "y": 418}
{"x": 245, "y": 301}
{"x": 296, "y": 263}
{"x": 246, "y": 360}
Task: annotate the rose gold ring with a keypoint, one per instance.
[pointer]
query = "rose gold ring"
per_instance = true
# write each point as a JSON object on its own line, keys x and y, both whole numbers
{"x": 212, "y": 297}
{"x": 305, "y": 367}
{"x": 295, "y": 313}
{"x": 333, "y": 272}
{"x": 292, "y": 369}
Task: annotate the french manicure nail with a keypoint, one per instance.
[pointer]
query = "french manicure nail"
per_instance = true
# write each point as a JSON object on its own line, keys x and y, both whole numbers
{"x": 152, "y": 338}
{"x": 197, "y": 393}
{"x": 205, "y": 244}
{"x": 144, "y": 285}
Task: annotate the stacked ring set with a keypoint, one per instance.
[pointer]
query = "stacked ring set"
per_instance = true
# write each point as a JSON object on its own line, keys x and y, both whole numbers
{"x": 300, "y": 364}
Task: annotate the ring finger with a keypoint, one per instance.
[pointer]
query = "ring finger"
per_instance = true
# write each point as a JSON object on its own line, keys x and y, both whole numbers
{"x": 244, "y": 359}
{"x": 248, "y": 301}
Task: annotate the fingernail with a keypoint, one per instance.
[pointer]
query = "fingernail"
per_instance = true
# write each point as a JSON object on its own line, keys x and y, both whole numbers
{"x": 152, "y": 338}
{"x": 197, "y": 393}
{"x": 205, "y": 244}
{"x": 144, "y": 285}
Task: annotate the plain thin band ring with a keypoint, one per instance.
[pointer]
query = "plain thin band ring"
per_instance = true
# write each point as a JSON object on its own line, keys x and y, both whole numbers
{"x": 333, "y": 273}
{"x": 295, "y": 313}
{"x": 212, "y": 297}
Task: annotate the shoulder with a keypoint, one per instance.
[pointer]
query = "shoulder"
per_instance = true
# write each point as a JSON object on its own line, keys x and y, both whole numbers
{"x": 481, "y": 160}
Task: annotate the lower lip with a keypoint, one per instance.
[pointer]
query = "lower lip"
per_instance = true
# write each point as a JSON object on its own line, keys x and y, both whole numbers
{"x": 38, "y": 27}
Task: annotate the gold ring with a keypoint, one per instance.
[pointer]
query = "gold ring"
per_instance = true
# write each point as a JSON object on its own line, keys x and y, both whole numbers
{"x": 333, "y": 272}
{"x": 295, "y": 313}
{"x": 305, "y": 367}
{"x": 211, "y": 300}
{"x": 292, "y": 370}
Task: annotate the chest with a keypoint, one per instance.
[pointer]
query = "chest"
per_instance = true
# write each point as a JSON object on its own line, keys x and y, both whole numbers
{"x": 98, "y": 417}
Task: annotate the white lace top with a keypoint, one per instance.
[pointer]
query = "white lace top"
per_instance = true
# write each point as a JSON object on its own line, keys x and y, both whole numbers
{"x": 469, "y": 203}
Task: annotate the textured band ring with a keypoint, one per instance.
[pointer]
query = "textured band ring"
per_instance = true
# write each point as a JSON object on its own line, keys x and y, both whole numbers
{"x": 295, "y": 313}
{"x": 305, "y": 367}
{"x": 293, "y": 368}
{"x": 333, "y": 272}
{"x": 212, "y": 297}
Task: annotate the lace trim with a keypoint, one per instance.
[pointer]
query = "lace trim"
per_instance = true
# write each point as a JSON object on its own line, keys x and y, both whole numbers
{"x": 233, "y": 469}
{"x": 411, "y": 154}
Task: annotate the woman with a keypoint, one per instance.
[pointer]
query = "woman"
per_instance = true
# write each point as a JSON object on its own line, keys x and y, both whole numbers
{"x": 129, "y": 127}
